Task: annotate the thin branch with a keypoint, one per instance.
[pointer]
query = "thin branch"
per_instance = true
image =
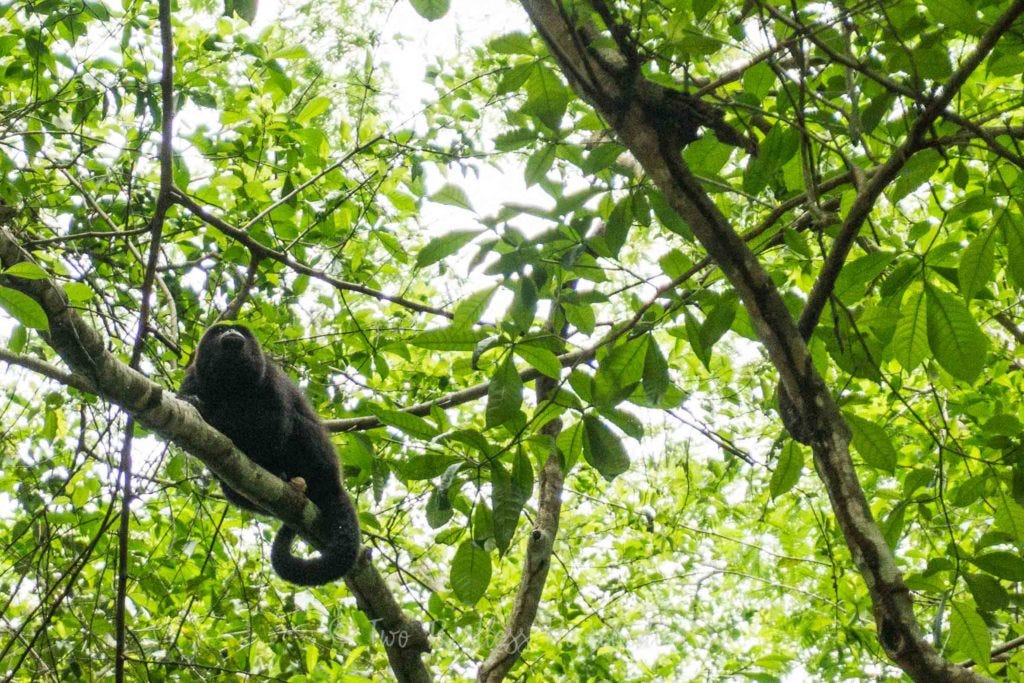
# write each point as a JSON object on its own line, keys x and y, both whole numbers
{"x": 866, "y": 198}
{"x": 71, "y": 379}
{"x": 540, "y": 546}
{"x": 316, "y": 178}
{"x": 897, "y": 87}
{"x": 263, "y": 251}
{"x": 997, "y": 651}
{"x": 163, "y": 202}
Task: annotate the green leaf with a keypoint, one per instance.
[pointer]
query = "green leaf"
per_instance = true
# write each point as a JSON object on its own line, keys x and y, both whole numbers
{"x": 454, "y": 338}
{"x": 620, "y": 220}
{"x": 603, "y": 449}
{"x": 546, "y": 96}
{"x": 910, "y": 340}
{"x": 470, "y": 573}
{"x": 758, "y": 80}
{"x": 675, "y": 264}
{"x": 919, "y": 169}
{"x": 515, "y": 43}
{"x": 1013, "y": 237}
{"x": 959, "y": 345}
{"x": 788, "y": 469}
{"x": 1001, "y": 563}
{"x": 413, "y": 425}
{"x": 620, "y": 371}
{"x": 717, "y": 322}
{"x": 872, "y": 443}
{"x": 508, "y": 496}
{"x": 541, "y": 359}
{"x": 23, "y": 308}
{"x": 977, "y": 263}
{"x": 431, "y": 10}
{"x": 470, "y": 310}
{"x": 892, "y": 525}
{"x": 856, "y": 275}
{"x": 26, "y": 270}
{"x": 443, "y": 246}
{"x": 313, "y": 108}
{"x": 504, "y": 394}
{"x": 655, "y": 376}
{"x": 312, "y": 653}
{"x": 570, "y": 444}
{"x": 668, "y": 216}
{"x": 452, "y": 195}
{"x": 539, "y": 164}
{"x": 778, "y": 147}
{"x": 968, "y": 633}
{"x": 958, "y": 14}
{"x": 1009, "y": 516}
{"x": 987, "y": 592}
{"x": 439, "y": 508}
{"x": 78, "y": 292}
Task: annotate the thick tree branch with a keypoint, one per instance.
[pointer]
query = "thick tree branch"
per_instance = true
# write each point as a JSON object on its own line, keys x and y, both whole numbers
{"x": 83, "y": 349}
{"x": 654, "y": 143}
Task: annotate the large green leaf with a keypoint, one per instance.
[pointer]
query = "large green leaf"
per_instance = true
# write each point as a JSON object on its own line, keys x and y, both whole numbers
{"x": 508, "y": 496}
{"x": 470, "y": 572}
{"x": 959, "y": 345}
{"x": 443, "y": 246}
{"x": 968, "y": 633}
{"x": 504, "y": 395}
{"x": 977, "y": 263}
{"x": 454, "y": 338}
{"x": 1013, "y": 236}
{"x": 872, "y": 443}
{"x": 541, "y": 359}
{"x": 620, "y": 371}
{"x": 656, "y": 380}
{"x": 431, "y": 10}
{"x": 23, "y": 308}
{"x": 413, "y": 425}
{"x": 910, "y": 341}
{"x": 546, "y": 96}
{"x": 603, "y": 449}
{"x": 1001, "y": 563}
{"x": 788, "y": 469}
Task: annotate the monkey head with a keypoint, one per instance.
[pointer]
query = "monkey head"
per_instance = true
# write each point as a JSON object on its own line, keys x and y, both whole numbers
{"x": 228, "y": 356}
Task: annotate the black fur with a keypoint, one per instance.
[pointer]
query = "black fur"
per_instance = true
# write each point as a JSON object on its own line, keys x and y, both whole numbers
{"x": 246, "y": 396}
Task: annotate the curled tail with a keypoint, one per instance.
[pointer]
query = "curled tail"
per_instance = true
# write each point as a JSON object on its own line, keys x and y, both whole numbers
{"x": 334, "y": 561}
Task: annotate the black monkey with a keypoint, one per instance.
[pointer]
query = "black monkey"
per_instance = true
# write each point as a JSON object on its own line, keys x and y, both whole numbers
{"x": 243, "y": 394}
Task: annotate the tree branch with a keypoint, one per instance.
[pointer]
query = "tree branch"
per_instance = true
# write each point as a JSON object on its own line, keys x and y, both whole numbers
{"x": 261, "y": 251}
{"x": 867, "y": 197}
{"x": 655, "y": 144}
{"x": 83, "y": 349}
{"x": 540, "y": 546}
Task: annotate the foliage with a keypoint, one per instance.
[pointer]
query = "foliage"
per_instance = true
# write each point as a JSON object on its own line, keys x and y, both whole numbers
{"x": 499, "y": 236}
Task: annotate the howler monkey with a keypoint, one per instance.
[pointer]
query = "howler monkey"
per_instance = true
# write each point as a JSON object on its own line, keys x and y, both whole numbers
{"x": 246, "y": 396}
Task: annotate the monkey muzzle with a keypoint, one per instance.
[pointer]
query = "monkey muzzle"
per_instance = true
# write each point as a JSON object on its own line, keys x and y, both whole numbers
{"x": 232, "y": 340}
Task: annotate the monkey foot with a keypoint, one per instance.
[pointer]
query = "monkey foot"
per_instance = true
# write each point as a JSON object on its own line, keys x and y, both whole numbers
{"x": 299, "y": 483}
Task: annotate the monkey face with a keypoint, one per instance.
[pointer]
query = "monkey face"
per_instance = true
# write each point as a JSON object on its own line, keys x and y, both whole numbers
{"x": 230, "y": 355}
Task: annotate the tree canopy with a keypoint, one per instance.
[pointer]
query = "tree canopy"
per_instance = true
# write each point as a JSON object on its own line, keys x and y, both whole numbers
{"x": 659, "y": 341}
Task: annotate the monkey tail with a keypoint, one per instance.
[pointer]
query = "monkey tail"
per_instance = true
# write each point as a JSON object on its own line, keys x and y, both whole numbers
{"x": 334, "y": 562}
